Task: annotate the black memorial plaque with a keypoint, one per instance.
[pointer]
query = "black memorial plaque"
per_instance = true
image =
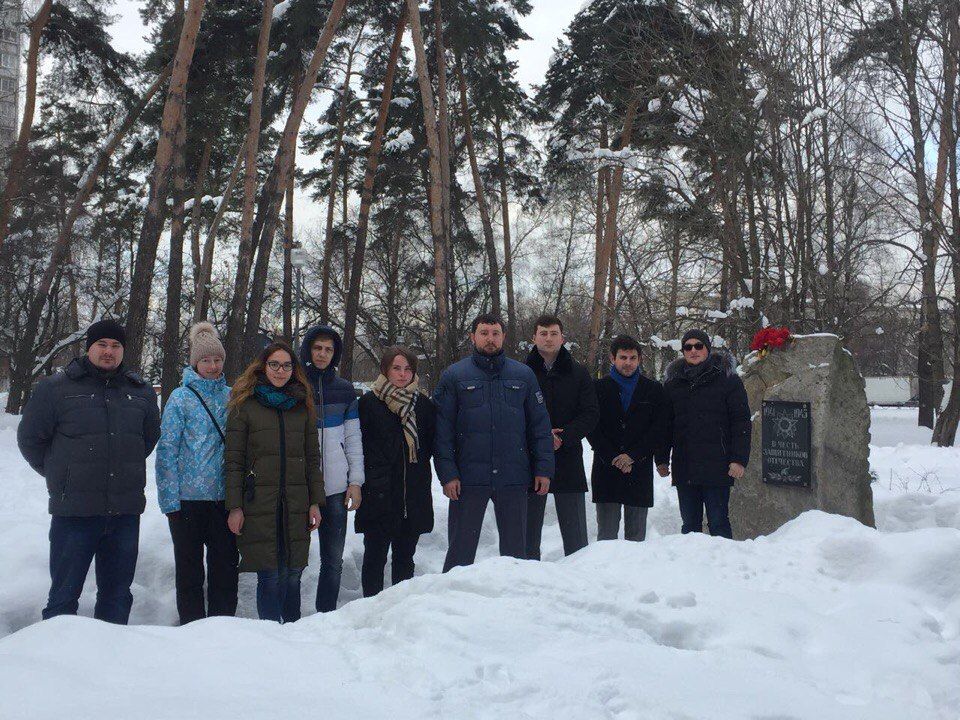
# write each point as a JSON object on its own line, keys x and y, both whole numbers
{"x": 785, "y": 441}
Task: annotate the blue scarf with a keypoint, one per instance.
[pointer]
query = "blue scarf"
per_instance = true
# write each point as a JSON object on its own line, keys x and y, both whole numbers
{"x": 274, "y": 397}
{"x": 626, "y": 385}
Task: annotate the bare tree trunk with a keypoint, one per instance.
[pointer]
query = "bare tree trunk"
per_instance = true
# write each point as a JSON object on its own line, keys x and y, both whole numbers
{"x": 19, "y": 156}
{"x": 443, "y": 122}
{"x": 511, "y": 334}
{"x": 945, "y": 431}
{"x": 564, "y": 271}
{"x": 332, "y": 191}
{"x": 435, "y": 190}
{"x": 238, "y": 304}
{"x": 22, "y": 371}
{"x": 201, "y": 305}
{"x": 609, "y": 236}
{"x": 488, "y": 241}
{"x": 366, "y": 199}
{"x": 273, "y": 191}
{"x": 170, "y": 343}
{"x": 199, "y": 185}
{"x": 393, "y": 289}
{"x": 611, "y": 294}
{"x": 288, "y": 265}
{"x": 930, "y": 341}
{"x": 159, "y": 180}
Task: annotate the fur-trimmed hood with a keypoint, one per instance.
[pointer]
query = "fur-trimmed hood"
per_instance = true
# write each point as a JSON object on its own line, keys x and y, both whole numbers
{"x": 718, "y": 361}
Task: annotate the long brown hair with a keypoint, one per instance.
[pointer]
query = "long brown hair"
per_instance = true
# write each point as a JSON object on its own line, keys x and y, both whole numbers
{"x": 243, "y": 388}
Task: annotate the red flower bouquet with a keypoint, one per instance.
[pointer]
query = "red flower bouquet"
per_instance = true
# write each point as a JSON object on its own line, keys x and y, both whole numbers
{"x": 769, "y": 339}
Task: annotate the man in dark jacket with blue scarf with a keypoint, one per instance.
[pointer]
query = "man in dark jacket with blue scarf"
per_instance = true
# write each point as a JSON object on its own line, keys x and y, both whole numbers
{"x": 634, "y": 416}
{"x": 493, "y": 437}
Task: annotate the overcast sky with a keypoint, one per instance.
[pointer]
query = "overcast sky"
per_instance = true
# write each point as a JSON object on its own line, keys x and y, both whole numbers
{"x": 544, "y": 25}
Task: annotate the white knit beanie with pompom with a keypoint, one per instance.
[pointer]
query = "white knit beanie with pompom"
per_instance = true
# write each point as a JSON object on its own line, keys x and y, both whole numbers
{"x": 205, "y": 342}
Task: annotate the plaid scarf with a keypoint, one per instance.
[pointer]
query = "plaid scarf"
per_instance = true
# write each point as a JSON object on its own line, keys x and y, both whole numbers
{"x": 402, "y": 402}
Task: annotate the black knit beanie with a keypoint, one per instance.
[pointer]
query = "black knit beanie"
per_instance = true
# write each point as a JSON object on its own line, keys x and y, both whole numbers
{"x": 696, "y": 335}
{"x": 106, "y": 330}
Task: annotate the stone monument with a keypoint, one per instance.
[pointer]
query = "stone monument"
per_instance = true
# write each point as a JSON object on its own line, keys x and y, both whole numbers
{"x": 811, "y": 435}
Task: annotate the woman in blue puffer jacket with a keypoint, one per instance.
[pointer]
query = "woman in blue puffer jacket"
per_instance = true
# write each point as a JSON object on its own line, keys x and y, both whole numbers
{"x": 190, "y": 481}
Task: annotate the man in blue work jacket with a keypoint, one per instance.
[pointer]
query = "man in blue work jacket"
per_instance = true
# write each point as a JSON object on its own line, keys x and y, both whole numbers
{"x": 493, "y": 438}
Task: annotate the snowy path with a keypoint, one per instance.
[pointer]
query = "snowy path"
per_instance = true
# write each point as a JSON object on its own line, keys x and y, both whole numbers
{"x": 824, "y": 619}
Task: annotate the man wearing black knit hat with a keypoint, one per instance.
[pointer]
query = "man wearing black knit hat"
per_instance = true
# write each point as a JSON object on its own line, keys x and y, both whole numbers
{"x": 88, "y": 431}
{"x": 710, "y": 431}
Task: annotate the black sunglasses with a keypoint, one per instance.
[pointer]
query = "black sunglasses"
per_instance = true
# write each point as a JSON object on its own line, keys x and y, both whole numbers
{"x": 693, "y": 346}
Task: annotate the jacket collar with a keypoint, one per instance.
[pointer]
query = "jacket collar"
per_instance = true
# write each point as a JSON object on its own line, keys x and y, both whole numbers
{"x": 191, "y": 378}
{"x": 563, "y": 363}
{"x": 490, "y": 365}
{"x": 81, "y": 367}
{"x": 719, "y": 362}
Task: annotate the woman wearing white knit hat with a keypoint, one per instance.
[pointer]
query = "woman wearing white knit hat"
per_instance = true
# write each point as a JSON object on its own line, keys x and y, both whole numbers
{"x": 190, "y": 481}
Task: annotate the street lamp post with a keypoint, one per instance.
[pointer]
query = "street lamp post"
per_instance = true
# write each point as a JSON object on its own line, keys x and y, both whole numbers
{"x": 298, "y": 259}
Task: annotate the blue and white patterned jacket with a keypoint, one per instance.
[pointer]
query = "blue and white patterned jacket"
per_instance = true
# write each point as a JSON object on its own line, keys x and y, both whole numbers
{"x": 190, "y": 451}
{"x": 338, "y": 417}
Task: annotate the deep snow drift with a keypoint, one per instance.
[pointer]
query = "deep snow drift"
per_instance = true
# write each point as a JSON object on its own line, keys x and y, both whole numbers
{"x": 823, "y": 619}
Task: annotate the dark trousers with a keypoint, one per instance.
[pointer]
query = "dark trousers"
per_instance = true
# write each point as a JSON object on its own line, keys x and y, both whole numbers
{"x": 74, "y": 543}
{"x": 634, "y": 522}
{"x": 716, "y": 499}
{"x": 465, "y": 520}
{"x": 571, "y": 516}
{"x": 333, "y": 536}
{"x": 278, "y": 594}
{"x": 375, "y": 547}
{"x": 197, "y": 525}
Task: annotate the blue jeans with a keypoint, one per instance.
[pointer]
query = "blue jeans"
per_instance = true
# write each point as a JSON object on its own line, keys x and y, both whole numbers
{"x": 278, "y": 594}
{"x": 74, "y": 542}
{"x": 333, "y": 536}
{"x": 716, "y": 499}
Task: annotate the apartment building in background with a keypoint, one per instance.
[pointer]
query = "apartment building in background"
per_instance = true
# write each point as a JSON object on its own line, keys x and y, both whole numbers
{"x": 10, "y": 53}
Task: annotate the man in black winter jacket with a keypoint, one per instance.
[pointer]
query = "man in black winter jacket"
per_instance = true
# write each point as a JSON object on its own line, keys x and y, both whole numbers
{"x": 88, "y": 430}
{"x": 634, "y": 416}
{"x": 710, "y": 434}
{"x": 572, "y": 405}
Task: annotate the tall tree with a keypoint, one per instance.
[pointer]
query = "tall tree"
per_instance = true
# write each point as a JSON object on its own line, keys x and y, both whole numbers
{"x": 159, "y": 182}
{"x": 435, "y": 189}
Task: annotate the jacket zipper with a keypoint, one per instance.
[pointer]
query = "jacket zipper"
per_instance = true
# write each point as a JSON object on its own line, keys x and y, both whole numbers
{"x": 322, "y": 420}
{"x": 283, "y": 486}
{"x": 404, "y": 459}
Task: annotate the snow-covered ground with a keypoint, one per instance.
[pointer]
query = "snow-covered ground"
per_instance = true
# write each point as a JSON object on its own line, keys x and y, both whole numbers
{"x": 823, "y": 619}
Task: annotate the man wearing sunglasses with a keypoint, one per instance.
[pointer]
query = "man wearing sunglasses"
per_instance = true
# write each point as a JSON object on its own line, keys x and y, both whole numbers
{"x": 710, "y": 432}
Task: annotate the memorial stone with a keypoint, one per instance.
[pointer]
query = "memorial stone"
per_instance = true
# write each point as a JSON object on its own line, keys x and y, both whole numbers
{"x": 811, "y": 435}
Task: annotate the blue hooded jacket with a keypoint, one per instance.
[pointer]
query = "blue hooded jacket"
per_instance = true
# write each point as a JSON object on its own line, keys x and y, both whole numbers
{"x": 190, "y": 452}
{"x": 493, "y": 428}
{"x": 338, "y": 416}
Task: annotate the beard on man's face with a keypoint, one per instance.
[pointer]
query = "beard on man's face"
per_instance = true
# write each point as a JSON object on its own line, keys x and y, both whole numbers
{"x": 489, "y": 348}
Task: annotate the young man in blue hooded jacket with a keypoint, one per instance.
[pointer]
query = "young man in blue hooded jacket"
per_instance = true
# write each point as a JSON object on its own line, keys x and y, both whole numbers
{"x": 341, "y": 454}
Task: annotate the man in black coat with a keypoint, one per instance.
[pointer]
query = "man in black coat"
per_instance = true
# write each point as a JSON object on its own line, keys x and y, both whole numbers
{"x": 572, "y": 405}
{"x": 88, "y": 430}
{"x": 710, "y": 435}
{"x": 634, "y": 415}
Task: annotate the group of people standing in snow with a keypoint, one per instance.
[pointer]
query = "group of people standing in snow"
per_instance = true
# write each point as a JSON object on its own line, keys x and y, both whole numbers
{"x": 246, "y": 474}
